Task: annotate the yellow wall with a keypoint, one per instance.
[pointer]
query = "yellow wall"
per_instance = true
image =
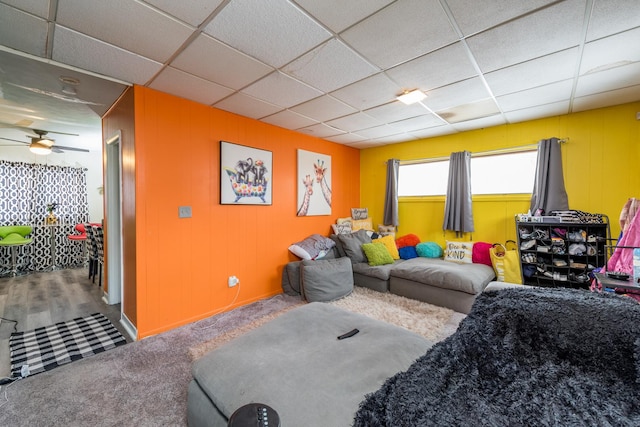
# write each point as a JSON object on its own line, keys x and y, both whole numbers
{"x": 180, "y": 266}
{"x": 601, "y": 164}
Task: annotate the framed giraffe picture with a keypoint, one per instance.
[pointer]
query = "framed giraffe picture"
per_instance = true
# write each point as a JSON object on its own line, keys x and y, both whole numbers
{"x": 245, "y": 175}
{"x": 314, "y": 183}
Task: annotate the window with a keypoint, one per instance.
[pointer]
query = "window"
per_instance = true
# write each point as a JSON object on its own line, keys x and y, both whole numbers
{"x": 510, "y": 173}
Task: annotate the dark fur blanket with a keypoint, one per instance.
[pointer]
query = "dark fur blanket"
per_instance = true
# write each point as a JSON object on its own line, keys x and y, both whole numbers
{"x": 525, "y": 357}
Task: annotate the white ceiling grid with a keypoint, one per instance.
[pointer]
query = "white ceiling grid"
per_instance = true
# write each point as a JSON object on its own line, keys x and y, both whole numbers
{"x": 333, "y": 68}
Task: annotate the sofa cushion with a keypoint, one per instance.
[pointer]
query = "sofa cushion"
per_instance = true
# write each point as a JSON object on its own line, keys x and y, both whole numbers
{"x": 381, "y": 272}
{"x": 377, "y": 254}
{"x": 469, "y": 278}
{"x": 326, "y": 280}
{"x": 352, "y": 245}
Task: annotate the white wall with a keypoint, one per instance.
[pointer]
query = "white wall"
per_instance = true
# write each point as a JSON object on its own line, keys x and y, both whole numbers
{"x": 92, "y": 161}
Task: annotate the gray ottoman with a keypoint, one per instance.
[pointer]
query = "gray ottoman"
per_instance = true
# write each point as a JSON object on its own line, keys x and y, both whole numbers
{"x": 296, "y": 365}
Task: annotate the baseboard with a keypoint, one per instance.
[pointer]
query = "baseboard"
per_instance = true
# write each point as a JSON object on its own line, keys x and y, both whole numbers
{"x": 129, "y": 327}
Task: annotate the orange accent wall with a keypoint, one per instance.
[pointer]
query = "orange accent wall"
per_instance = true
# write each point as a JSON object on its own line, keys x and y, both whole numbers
{"x": 182, "y": 265}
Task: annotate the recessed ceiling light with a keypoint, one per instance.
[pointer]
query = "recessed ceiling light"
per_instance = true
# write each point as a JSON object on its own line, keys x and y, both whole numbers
{"x": 412, "y": 97}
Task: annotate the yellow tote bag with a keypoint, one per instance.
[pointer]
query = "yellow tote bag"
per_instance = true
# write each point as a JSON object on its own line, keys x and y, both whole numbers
{"x": 506, "y": 262}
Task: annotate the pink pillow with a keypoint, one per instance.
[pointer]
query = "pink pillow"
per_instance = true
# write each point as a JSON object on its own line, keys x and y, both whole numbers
{"x": 480, "y": 253}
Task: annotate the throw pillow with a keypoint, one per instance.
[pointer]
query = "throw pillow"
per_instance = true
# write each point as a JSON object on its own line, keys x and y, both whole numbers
{"x": 407, "y": 240}
{"x": 480, "y": 253}
{"x": 458, "y": 252}
{"x": 359, "y": 213}
{"x": 377, "y": 254}
{"x": 361, "y": 224}
{"x": 314, "y": 246}
{"x": 429, "y": 250}
{"x": 343, "y": 220}
{"x": 387, "y": 230}
{"x": 344, "y": 228}
{"x": 326, "y": 280}
{"x": 352, "y": 245}
{"x": 408, "y": 252}
{"x": 390, "y": 244}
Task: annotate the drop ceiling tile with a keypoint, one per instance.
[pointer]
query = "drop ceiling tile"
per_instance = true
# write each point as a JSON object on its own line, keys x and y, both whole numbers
{"x": 257, "y": 29}
{"x": 612, "y": 16}
{"x": 537, "y": 72}
{"x": 370, "y": 92}
{"x": 474, "y": 16}
{"x": 393, "y": 139}
{"x": 363, "y": 144}
{"x": 339, "y": 14}
{"x": 470, "y": 111}
{"x": 554, "y": 92}
{"x": 288, "y": 120}
{"x": 435, "y": 131}
{"x": 212, "y": 60}
{"x": 401, "y": 32}
{"x": 550, "y": 30}
{"x": 380, "y": 131}
{"x": 355, "y": 122}
{"x": 611, "y": 79}
{"x": 459, "y": 93}
{"x": 534, "y": 113}
{"x": 611, "y": 52}
{"x": 321, "y": 130}
{"x": 22, "y": 31}
{"x": 420, "y": 122}
{"x": 442, "y": 67}
{"x": 128, "y": 24}
{"x": 39, "y": 8}
{"x": 607, "y": 99}
{"x": 247, "y": 106}
{"x": 323, "y": 108}
{"x": 395, "y": 111}
{"x": 345, "y": 138}
{"x": 79, "y": 50}
{"x": 484, "y": 122}
{"x": 192, "y": 12}
{"x": 280, "y": 89}
{"x": 330, "y": 66}
{"x": 179, "y": 83}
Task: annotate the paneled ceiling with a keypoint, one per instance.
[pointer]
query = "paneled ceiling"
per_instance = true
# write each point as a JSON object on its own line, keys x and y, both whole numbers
{"x": 328, "y": 68}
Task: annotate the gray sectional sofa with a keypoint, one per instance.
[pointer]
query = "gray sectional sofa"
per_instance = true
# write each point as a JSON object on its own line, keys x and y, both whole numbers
{"x": 432, "y": 280}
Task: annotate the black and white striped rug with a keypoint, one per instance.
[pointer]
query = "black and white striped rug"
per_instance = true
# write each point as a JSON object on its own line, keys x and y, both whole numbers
{"x": 44, "y": 348}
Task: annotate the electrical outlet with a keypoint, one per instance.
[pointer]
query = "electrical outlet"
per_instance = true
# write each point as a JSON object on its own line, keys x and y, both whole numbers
{"x": 233, "y": 280}
{"x": 184, "y": 211}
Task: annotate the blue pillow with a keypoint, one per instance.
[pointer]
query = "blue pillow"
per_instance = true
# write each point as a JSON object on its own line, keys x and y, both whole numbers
{"x": 429, "y": 250}
{"x": 408, "y": 252}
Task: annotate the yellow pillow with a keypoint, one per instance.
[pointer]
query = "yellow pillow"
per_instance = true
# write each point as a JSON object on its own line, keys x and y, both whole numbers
{"x": 361, "y": 224}
{"x": 390, "y": 243}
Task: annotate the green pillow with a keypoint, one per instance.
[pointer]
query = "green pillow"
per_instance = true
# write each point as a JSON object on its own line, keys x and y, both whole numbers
{"x": 377, "y": 254}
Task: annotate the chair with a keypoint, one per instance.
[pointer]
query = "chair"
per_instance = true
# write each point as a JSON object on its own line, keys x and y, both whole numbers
{"x": 13, "y": 236}
{"x": 99, "y": 235}
{"x": 80, "y": 236}
{"x": 92, "y": 250}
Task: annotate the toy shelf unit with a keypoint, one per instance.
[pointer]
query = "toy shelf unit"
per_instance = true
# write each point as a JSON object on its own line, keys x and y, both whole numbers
{"x": 556, "y": 253}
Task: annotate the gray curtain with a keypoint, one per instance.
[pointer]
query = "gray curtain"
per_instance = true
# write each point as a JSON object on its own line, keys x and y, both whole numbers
{"x": 391, "y": 194}
{"x": 458, "y": 215}
{"x": 549, "y": 193}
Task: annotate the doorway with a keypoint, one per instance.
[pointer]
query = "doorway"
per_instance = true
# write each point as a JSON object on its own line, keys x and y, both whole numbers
{"x": 113, "y": 203}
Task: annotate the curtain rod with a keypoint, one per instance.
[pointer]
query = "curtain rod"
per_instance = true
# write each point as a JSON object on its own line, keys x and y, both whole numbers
{"x": 507, "y": 150}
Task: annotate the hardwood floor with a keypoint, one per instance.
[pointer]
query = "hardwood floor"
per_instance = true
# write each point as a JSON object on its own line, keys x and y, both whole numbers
{"x": 42, "y": 299}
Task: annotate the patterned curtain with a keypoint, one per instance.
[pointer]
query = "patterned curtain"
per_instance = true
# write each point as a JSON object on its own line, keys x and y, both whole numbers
{"x": 25, "y": 191}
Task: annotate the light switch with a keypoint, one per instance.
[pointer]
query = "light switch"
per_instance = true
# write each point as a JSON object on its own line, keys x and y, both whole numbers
{"x": 184, "y": 211}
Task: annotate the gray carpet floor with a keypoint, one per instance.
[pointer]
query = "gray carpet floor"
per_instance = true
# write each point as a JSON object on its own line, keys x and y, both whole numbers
{"x": 143, "y": 383}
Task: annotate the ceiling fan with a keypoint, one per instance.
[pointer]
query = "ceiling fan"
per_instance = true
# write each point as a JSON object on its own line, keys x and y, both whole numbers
{"x": 43, "y": 145}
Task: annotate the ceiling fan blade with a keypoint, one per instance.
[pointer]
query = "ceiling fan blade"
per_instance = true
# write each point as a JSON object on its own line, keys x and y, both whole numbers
{"x": 61, "y": 149}
{"x": 14, "y": 140}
